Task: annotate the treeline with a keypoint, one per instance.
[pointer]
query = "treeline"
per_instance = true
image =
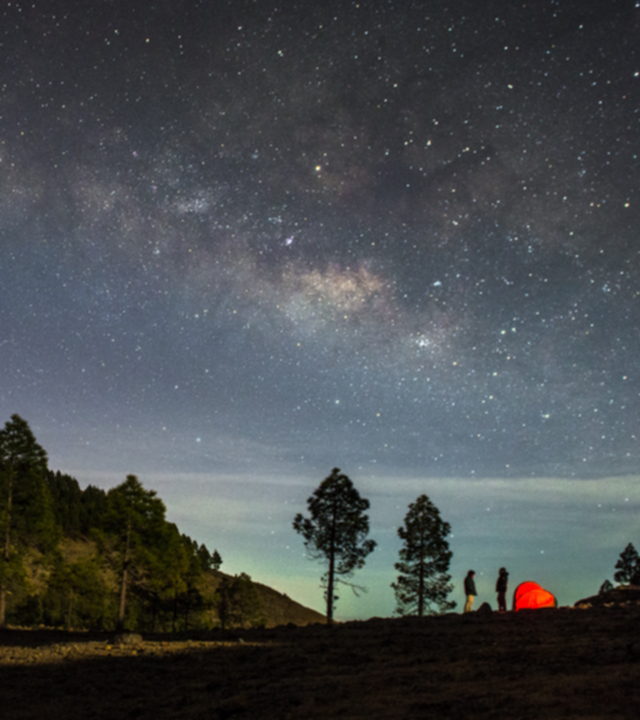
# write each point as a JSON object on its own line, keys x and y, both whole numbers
{"x": 98, "y": 560}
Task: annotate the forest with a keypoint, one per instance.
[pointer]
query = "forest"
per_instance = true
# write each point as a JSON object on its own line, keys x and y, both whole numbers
{"x": 90, "y": 559}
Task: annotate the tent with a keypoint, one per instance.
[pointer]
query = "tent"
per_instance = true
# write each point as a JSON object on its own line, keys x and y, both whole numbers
{"x": 529, "y": 595}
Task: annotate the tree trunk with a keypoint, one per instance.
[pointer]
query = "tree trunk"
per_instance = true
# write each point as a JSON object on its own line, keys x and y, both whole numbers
{"x": 332, "y": 561}
{"x": 70, "y": 611}
{"x": 186, "y": 611}
{"x": 5, "y": 554}
{"x": 123, "y": 585}
{"x": 421, "y": 578}
{"x": 154, "y": 611}
{"x": 175, "y": 611}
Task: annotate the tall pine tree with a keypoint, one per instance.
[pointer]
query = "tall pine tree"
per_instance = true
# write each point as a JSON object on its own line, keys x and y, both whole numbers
{"x": 336, "y": 530}
{"x": 135, "y": 522}
{"x": 423, "y": 581}
{"x": 26, "y": 516}
{"x": 628, "y": 567}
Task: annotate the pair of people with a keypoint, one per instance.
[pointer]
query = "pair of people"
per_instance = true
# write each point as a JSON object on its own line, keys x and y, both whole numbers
{"x": 501, "y": 589}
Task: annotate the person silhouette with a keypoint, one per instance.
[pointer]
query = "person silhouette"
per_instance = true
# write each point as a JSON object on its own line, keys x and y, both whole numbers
{"x": 501, "y": 589}
{"x": 469, "y": 590}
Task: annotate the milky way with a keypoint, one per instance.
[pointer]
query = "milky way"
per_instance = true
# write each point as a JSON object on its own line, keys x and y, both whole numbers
{"x": 396, "y": 235}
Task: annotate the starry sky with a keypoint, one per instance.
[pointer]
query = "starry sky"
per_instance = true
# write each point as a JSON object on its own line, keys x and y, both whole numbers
{"x": 244, "y": 243}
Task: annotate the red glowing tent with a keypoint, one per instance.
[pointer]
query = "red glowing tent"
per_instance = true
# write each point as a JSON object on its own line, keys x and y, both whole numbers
{"x": 529, "y": 595}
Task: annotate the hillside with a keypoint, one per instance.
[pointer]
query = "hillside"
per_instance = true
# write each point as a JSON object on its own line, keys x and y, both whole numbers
{"x": 280, "y": 609}
{"x": 90, "y": 559}
{"x": 275, "y": 608}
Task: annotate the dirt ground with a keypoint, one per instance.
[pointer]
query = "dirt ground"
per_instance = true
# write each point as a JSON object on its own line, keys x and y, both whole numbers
{"x": 565, "y": 663}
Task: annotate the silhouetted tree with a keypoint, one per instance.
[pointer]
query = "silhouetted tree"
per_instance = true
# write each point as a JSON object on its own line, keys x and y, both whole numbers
{"x": 136, "y": 522}
{"x": 223, "y": 601}
{"x": 336, "y": 531}
{"x": 67, "y": 501}
{"x": 216, "y": 560}
{"x": 26, "y": 516}
{"x": 628, "y": 567}
{"x": 166, "y": 570}
{"x": 207, "y": 560}
{"x": 424, "y": 561}
{"x": 77, "y": 512}
{"x": 605, "y": 587}
{"x": 246, "y": 608}
{"x": 191, "y": 598}
{"x": 94, "y": 509}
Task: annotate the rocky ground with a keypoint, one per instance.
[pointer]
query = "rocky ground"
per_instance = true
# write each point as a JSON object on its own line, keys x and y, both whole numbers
{"x": 565, "y": 663}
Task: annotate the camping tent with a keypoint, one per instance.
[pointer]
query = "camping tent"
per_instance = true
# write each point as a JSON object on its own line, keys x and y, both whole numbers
{"x": 529, "y": 595}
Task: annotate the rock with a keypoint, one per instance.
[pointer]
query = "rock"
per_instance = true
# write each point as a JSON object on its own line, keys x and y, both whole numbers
{"x": 484, "y": 609}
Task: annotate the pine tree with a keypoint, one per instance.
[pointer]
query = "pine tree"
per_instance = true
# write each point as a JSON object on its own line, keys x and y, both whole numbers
{"x": 224, "y": 601}
{"x": 628, "y": 566}
{"x": 94, "y": 509}
{"x": 248, "y": 610}
{"x": 191, "y": 598}
{"x": 163, "y": 577}
{"x": 424, "y": 560}
{"x": 135, "y": 521}
{"x": 216, "y": 560}
{"x": 605, "y": 587}
{"x": 67, "y": 501}
{"x": 336, "y": 531}
{"x": 26, "y": 516}
{"x": 208, "y": 560}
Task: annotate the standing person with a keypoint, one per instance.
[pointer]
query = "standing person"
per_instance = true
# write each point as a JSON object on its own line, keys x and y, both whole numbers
{"x": 469, "y": 590}
{"x": 501, "y": 589}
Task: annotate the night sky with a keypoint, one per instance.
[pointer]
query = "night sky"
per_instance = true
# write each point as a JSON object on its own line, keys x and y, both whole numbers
{"x": 244, "y": 243}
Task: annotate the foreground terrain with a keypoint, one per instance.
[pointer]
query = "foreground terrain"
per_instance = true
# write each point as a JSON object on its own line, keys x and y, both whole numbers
{"x": 566, "y": 663}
